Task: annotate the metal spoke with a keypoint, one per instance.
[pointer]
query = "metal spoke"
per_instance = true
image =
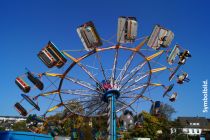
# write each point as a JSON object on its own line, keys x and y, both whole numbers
{"x": 136, "y": 80}
{"x": 48, "y": 93}
{"x": 77, "y": 61}
{"x": 101, "y": 66}
{"x": 147, "y": 98}
{"x": 72, "y": 102}
{"x": 140, "y": 86}
{"x": 125, "y": 68}
{"x": 174, "y": 72}
{"x": 130, "y": 95}
{"x": 82, "y": 83}
{"x": 133, "y": 72}
{"x": 81, "y": 101}
{"x": 78, "y": 92}
{"x": 134, "y": 89}
{"x": 127, "y": 96}
{"x": 51, "y": 99}
{"x": 129, "y": 60}
{"x": 87, "y": 102}
{"x": 126, "y": 105}
{"x": 114, "y": 68}
{"x": 54, "y": 108}
{"x": 90, "y": 106}
{"x": 104, "y": 111}
{"x": 96, "y": 109}
{"x": 108, "y": 41}
{"x": 88, "y": 72}
{"x": 52, "y": 82}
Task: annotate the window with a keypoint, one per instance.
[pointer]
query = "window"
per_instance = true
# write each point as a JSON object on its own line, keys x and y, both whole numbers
{"x": 185, "y": 130}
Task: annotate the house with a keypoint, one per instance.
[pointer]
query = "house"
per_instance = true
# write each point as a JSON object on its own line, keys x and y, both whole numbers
{"x": 127, "y": 119}
{"x": 8, "y": 121}
{"x": 193, "y": 126}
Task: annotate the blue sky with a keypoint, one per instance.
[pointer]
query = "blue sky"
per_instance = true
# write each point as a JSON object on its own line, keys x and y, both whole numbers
{"x": 26, "y": 26}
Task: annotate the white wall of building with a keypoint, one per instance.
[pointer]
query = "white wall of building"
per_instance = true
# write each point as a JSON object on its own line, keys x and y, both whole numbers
{"x": 189, "y": 131}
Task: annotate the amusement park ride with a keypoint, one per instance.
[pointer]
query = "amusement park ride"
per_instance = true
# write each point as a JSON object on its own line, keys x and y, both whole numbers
{"x": 111, "y": 84}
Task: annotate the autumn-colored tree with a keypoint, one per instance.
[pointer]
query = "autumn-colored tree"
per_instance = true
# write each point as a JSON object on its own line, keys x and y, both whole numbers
{"x": 149, "y": 127}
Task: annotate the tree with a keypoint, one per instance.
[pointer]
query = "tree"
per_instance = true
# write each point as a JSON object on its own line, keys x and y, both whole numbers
{"x": 20, "y": 126}
{"x": 149, "y": 127}
{"x": 166, "y": 111}
{"x": 86, "y": 129}
{"x": 177, "y": 130}
{"x": 165, "y": 127}
{"x": 2, "y": 128}
{"x": 65, "y": 123}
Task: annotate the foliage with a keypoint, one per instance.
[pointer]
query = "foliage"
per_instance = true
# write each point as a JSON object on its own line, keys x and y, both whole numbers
{"x": 64, "y": 126}
{"x": 166, "y": 111}
{"x": 2, "y": 128}
{"x": 86, "y": 129}
{"x": 177, "y": 130}
{"x": 180, "y": 137}
{"x": 150, "y": 125}
{"x": 65, "y": 123}
{"x": 20, "y": 126}
{"x": 100, "y": 123}
{"x": 148, "y": 128}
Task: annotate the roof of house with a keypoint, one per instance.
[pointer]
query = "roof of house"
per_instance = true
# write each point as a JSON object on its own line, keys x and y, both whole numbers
{"x": 194, "y": 122}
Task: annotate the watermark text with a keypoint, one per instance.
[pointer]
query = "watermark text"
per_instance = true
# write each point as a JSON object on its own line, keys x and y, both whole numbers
{"x": 205, "y": 96}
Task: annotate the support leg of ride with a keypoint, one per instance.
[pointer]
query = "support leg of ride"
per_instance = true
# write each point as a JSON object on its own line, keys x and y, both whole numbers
{"x": 110, "y": 97}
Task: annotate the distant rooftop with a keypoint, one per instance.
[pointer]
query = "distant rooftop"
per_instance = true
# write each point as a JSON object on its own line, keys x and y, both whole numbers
{"x": 194, "y": 122}
{"x": 12, "y": 117}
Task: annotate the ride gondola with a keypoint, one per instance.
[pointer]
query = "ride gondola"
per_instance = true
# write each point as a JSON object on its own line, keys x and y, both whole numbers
{"x": 20, "y": 109}
{"x": 183, "y": 56}
{"x": 182, "y": 59}
{"x": 182, "y": 78}
{"x": 160, "y": 37}
{"x": 89, "y": 36}
{"x": 173, "y": 97}
{"x": 30, "y": 101}
{"x": 35, "y": 80}
{"x": 47, "y": 58}
{"x": 155, "y": 108}
{"x": 175, "y": 51}
{"x": 22, "y": 85}
{"x": 57, "y": 54}
{"x": 127, "y": 29}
